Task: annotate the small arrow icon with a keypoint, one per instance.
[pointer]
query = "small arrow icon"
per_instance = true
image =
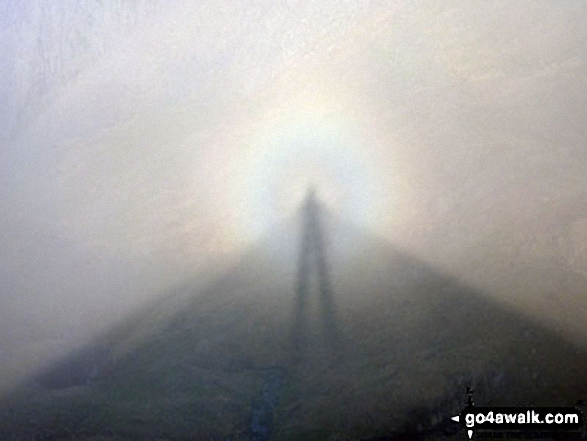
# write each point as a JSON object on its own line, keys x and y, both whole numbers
{"x": 456, "y": 418}
{"x": 470, "y": 432}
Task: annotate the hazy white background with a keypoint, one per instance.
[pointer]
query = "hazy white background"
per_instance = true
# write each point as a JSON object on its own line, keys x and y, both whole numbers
{"x": 144, "y": 142}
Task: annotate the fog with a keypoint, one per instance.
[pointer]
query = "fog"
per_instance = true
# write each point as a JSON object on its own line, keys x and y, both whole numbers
{"x": 147, "y": 143}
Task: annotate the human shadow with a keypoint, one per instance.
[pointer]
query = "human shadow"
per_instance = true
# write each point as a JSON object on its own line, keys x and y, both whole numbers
{"x": 313, "y": 260}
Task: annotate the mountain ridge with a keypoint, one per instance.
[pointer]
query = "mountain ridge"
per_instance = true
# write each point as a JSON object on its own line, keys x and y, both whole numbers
{"x": 409, "y": 341}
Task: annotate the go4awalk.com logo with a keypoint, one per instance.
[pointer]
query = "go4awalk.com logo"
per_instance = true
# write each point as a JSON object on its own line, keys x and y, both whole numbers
{"x": 520, "y": 419}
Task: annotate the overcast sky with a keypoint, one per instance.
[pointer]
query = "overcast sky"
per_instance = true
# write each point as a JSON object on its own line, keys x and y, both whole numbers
{"x": 146, "y": 141}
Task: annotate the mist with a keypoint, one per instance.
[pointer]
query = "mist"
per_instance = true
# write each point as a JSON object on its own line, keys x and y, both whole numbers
{"x": 145, "y": 144}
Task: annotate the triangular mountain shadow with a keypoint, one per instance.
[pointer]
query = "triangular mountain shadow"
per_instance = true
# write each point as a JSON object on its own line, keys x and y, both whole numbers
{"x": 227, "y": 363}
